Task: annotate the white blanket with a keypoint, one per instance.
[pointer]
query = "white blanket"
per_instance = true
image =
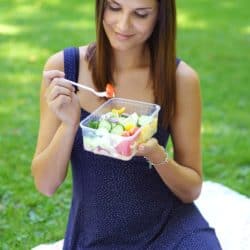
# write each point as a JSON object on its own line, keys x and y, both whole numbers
{"x": 229, "y": 213}
{"x": 226, "y": 210}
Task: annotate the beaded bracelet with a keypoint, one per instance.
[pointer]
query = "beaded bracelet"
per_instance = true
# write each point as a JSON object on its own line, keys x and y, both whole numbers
{"x": 151, "y": 164}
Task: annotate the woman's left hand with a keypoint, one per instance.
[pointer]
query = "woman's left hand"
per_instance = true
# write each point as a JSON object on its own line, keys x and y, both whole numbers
{"x": 151, "y": 150}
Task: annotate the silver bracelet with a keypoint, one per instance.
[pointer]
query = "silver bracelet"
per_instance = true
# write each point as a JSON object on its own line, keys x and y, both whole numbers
{"x": 151, "y": 164}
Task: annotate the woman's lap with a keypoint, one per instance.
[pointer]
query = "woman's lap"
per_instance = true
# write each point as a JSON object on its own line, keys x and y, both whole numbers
{"x": 202, "y": 239}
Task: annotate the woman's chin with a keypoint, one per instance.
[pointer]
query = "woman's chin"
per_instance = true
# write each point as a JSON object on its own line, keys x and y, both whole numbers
{"x": 122, "y": 46}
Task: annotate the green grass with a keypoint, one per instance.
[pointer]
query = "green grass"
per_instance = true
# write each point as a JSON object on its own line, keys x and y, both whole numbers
{"x": 213, "y": 37}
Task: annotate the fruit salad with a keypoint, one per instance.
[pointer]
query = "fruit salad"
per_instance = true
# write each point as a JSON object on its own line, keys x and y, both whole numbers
{"x": 117, "y": 132}
{"x": 110, "y": 90}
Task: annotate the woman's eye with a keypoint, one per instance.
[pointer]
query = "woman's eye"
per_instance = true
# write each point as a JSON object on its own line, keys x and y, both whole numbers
{"x": 118, "y": 8}
{"x": 141, "y": 15}
{"x": 113, "y": 8}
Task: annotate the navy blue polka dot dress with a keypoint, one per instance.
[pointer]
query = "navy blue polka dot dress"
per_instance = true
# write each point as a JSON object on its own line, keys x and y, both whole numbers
{"x": 118, "y": 205}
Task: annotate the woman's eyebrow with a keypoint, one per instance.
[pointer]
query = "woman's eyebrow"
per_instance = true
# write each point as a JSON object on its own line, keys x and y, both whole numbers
{"x": 113, "y": 1}
{"x": 144, "y": 8}
{"x": 139, "y": 8}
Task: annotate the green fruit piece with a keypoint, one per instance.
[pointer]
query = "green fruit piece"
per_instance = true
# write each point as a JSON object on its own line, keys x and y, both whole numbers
{"x": 118, "y": 129}
{"x": 93, "y": 124}
{"x": 104, "y": 124}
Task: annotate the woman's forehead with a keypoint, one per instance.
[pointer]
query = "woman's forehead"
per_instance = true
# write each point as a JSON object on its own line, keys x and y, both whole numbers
{"x": 135, "y": 4}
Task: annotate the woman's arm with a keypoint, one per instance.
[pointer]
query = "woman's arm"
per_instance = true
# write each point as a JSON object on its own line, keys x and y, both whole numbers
{"x": 183, "y": 174}
{"x": 59, "y": 120}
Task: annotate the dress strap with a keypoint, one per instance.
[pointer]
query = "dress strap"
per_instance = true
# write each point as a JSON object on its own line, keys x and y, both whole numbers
{"x": 71, "y": 64}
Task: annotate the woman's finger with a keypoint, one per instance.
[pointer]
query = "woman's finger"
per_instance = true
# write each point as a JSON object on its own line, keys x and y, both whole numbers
{"x": 63, "y": 83}
{"x": 51, "y": 74}
{"x": 147, "y": 147}
{"x": 59, "y": 102}
{"x": 57, "y": 91}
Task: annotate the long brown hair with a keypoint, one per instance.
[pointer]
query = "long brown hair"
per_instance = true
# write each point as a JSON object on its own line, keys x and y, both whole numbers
{"x": 162, "y": 46}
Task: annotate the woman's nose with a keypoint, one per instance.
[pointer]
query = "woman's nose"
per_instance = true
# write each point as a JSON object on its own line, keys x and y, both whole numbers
{"x": 124, "y": 23}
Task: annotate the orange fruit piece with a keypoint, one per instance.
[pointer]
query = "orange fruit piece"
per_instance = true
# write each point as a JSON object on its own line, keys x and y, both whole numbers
{"x": 110, "y": 90}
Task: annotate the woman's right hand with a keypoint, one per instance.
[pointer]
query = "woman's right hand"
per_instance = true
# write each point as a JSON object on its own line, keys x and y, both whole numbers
{"x": 61, "y": 97}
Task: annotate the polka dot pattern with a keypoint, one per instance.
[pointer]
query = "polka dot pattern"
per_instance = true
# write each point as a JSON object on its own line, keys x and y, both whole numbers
{"x": 125, "y": 205}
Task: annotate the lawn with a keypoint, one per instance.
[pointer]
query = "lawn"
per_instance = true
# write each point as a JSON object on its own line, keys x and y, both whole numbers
{"x": 213, "y": 37}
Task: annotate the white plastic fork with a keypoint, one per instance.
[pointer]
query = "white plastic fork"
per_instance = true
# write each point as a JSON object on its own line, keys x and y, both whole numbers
{"x": 97, "y": 93}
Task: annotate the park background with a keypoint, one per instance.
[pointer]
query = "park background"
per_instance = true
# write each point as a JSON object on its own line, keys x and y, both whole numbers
{"x": 213, "y": 37}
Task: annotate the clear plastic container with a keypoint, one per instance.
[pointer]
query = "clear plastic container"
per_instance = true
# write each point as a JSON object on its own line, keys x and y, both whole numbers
{"x": 101, "y": 142}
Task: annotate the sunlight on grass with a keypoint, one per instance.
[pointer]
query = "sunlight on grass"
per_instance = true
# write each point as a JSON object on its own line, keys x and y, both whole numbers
{"x": 27, "y": 9}
{"x": 7, "y": 29}
{"x": 228, "y": 4}
{"x": 4, "y": 110}
{"x": 246, "y": 30}
{"x": 217, "y": 129}
{"x": 22, "y": 51}
{"x": 186, "y": 22}
{"x": 85, "y": 24}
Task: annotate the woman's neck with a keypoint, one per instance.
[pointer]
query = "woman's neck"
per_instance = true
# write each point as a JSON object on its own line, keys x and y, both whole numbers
{"x": 134, "y": 58}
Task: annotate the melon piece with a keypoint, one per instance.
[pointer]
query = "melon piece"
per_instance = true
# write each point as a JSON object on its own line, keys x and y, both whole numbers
{"x": 124, "y": 147}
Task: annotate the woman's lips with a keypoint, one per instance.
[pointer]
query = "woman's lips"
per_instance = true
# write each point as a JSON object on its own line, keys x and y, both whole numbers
{"x": 122, "y": 37}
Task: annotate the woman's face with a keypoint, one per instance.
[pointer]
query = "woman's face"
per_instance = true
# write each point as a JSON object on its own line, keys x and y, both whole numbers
{"x": 129, "y": 23}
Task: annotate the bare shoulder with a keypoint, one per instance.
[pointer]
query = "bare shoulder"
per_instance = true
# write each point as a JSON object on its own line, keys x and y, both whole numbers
{"x": 188, "y": 99}
{"x": 85, "y": 74}
{"x": 55, "y": 62}
{"x": 188, "y": 91}
{"x": 187, "y": 78}
{"x": 83, "y": 51}
{"x": 83, "y": 62}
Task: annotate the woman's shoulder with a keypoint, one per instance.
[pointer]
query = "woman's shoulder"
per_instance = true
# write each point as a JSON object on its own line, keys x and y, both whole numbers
{"x": 84, "y": 50}
{"x": 56, "y": 60}
{"x": 186, "y": 77}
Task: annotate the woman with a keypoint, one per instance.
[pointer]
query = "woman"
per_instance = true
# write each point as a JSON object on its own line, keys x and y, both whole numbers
{"x": 124, "y": 204}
